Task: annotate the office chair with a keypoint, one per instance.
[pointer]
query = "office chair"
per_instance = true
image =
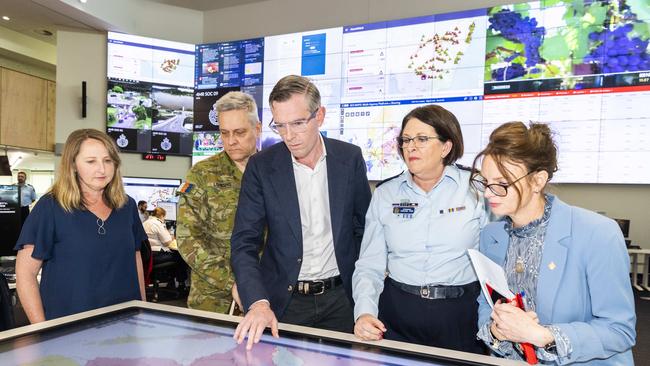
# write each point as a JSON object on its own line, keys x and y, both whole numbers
{"x": 157, "y": 273}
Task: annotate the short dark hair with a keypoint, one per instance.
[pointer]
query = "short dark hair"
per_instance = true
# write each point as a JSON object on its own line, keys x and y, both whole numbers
{"x": 141, "y": 202}
{"x": 292, "y": 85}
{"x": 445, "y": 124}
{"x": 23, "y": 173}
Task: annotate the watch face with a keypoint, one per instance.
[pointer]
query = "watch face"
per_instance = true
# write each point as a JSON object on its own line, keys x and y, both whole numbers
{"x": 551, "y": 347}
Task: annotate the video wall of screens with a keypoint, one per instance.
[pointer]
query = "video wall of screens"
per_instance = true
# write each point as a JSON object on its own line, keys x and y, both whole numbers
{"x": 582, "y": 66}
{"x": 150, "y": 96}
{"x": 158, "y": 192}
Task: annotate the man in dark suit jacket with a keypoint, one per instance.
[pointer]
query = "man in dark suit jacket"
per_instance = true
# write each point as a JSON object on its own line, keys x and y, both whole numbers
{"x": 311, "y": 194}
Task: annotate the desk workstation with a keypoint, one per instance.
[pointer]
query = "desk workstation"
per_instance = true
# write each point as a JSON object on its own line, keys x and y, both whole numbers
{"x": 635, "y": 255}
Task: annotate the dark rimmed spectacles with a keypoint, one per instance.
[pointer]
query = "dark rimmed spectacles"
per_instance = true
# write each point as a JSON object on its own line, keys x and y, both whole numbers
{"x": 299, "y": 125}
{"x": 499, "y": 189}
{"x": 419, "y": 141}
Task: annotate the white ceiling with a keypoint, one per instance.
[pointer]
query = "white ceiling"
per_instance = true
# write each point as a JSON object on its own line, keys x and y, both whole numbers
{"x": 30, "y": 160}
{"x": 204, "y": 5}
{"x": 29, "y": 17}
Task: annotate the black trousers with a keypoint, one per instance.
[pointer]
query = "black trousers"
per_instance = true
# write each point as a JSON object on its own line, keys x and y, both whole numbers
{"x": 24, "y": 212}
{"x": 446, "y": 323}
{"x": 331, "y": 310}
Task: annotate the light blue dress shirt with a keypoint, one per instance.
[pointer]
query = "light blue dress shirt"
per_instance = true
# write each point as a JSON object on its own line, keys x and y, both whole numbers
{"x": 27, "y": 195}
{"x": 425, "y": 247}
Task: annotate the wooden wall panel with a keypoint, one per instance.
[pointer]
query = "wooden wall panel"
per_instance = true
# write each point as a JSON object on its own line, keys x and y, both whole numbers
{"x": 24, "y": 112}
{"x": 51, "y": 116}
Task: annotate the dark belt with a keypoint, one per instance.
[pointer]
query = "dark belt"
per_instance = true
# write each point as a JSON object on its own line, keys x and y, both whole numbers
{"x": 433, "y": 292}
{"x": 317, "y": 287}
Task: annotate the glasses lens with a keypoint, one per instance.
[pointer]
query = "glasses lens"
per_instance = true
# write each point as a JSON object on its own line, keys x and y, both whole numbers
{"x": 479, "y": 185}
{"x": 499, "y": 190}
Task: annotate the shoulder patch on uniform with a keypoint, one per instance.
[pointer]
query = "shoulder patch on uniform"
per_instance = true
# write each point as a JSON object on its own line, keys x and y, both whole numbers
{"x": 185, "y": 187}
{"x": 388, "y": 179}
{"x": 463, "y": 167}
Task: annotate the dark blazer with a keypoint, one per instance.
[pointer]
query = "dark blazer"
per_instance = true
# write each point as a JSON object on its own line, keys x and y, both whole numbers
{"x": 268, "y": 199}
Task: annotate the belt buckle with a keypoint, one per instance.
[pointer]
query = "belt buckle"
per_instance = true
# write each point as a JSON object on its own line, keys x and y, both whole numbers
{"x": 322, "y": 289}
{"x": 425, "y": 292}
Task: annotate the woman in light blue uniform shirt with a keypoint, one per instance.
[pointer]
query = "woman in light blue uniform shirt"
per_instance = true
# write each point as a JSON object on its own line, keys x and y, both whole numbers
{"x": 413, "y": 281}
{"x": 570, "y": 263}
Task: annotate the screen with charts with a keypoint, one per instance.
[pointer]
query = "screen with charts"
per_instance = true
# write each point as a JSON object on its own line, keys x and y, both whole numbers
{"x": 150, "y": 106}
{"x": 158, "y": 192}
{"x": 582, "y": 66}
{"x": 139, "y": 337}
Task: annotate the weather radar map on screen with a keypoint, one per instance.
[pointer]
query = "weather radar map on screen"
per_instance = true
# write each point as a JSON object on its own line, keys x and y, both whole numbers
{"x": 159, "y": 339}
{"x": 582, "y": 66}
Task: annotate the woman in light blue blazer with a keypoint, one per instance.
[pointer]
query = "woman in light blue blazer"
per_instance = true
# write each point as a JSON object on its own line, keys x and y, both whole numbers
{"x": 570, "y": 263}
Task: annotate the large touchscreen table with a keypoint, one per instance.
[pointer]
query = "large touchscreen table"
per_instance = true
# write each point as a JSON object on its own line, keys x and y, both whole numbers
{"x": 137, "y": 333}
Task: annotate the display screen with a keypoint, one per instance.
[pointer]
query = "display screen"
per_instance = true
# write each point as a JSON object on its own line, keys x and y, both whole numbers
{"x": 581, "y": 66}
{"x": 158, "y": 192}
{"x": 157, "y": 338}
{"x": 150, "y": 94}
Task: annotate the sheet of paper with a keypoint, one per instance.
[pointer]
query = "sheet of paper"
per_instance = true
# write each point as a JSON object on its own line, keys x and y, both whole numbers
{"x": 489, "y": 272}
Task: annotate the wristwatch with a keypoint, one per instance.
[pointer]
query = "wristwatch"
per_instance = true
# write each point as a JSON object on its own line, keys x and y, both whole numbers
{"x": 551, "y": 347}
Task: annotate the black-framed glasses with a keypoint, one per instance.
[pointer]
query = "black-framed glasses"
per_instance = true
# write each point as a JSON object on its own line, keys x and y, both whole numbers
{"x": 419, "y": 141}
{"x": 499, "y": 189}
{"x": 299, "y": 125}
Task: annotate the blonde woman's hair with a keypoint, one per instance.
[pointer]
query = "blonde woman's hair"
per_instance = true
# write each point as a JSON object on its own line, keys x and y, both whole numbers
{"x": 66, "y": 190}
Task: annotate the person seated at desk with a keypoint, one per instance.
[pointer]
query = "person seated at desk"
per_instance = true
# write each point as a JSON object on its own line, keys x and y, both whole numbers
{"x": 163, "y": 245}
{"x": 570, "y": 263}
{"x": 85, "y": 233}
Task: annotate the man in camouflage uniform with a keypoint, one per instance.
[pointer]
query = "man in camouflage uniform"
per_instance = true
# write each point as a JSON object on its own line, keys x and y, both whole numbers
{"x": 208, "y": 201}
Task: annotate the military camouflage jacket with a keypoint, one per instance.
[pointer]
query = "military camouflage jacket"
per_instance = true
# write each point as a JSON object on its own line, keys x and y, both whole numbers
{"x": 205, "y": 220}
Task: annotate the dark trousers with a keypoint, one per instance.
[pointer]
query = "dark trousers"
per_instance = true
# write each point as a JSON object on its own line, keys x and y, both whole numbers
{"x": 445, "y": 323}
{"x": 24, "y": 212}
{"x": 330, "y": 310}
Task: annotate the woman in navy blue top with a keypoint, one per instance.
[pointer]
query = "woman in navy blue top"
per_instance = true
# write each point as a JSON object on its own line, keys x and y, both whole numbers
{"x": 85, "y": 234}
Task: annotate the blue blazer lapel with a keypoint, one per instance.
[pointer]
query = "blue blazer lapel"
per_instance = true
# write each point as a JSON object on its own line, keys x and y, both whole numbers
{"x": 496, "y": 248}
{"x": 284, "y": 184}
{"x": 554, "y": 256}
{"x": 337, "y": 187}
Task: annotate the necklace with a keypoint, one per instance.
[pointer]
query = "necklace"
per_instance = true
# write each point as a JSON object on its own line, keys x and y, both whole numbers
{"x": 100, "y": 227}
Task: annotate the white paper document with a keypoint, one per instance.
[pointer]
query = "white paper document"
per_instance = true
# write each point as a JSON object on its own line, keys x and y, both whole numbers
{"x": 491, "y": 273}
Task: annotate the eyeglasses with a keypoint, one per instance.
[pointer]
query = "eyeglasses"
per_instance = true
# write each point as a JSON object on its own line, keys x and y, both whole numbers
{"x": 499, "y": 189}
{"x": 420, "y": 141}
{"x": 299, "y": 125}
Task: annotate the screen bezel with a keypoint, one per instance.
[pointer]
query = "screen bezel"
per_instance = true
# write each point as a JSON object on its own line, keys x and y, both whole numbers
{"x": 338, "y": 339}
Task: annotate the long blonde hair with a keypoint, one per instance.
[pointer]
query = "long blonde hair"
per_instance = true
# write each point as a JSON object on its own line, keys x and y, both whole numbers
{"x": 66, "y": 190}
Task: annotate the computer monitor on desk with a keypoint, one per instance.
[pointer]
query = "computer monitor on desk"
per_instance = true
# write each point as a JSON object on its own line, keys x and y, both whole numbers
{"x": 624, "y": 224}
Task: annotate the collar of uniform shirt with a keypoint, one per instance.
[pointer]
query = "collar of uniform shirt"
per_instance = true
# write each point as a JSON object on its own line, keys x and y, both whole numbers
{"x": 450, "y": 171}
{"x": 322, "y": 142}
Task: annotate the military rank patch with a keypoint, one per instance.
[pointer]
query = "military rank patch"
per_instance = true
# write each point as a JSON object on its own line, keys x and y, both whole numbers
{"x": 185, "y": 187}
{"x": 452, "y": 209}
{"x": 405, "y": 210}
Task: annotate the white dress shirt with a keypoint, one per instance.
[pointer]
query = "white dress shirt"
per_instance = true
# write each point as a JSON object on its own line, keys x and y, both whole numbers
{"x": 157, "y": 233}
{"x": 318, "y": 259}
